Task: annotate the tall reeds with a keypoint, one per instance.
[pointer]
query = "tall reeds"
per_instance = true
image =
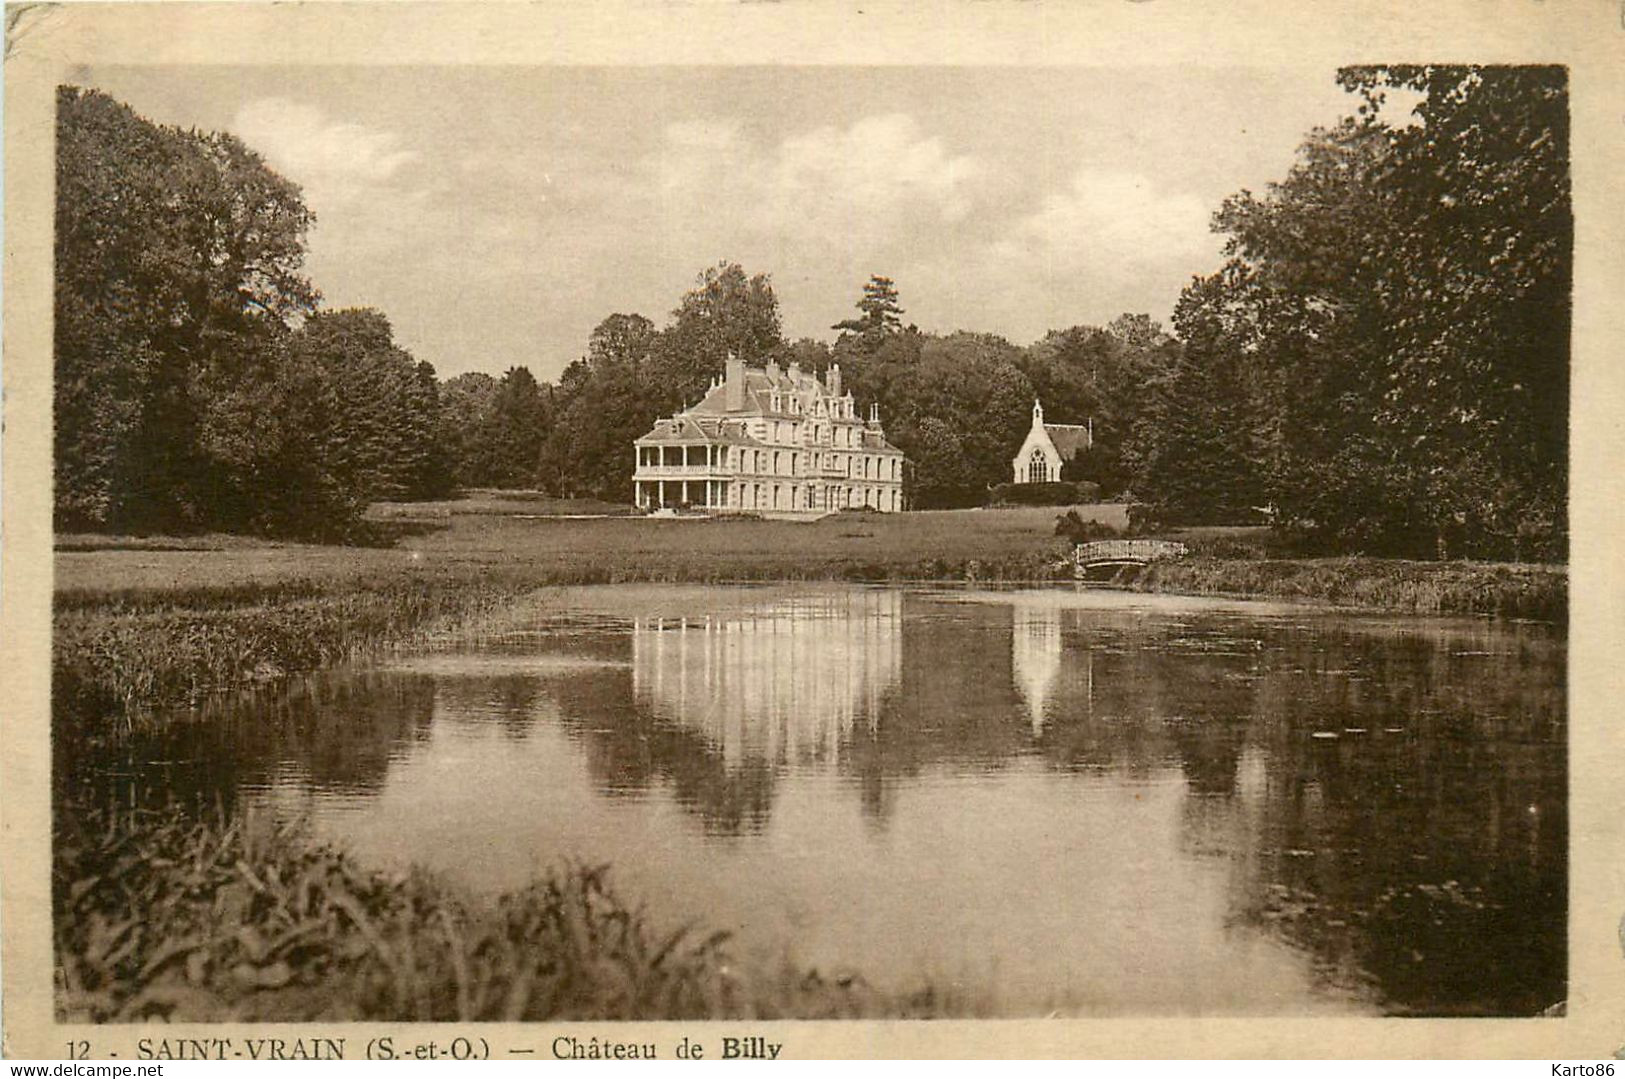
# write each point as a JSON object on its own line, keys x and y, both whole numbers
{"x": 1503, "y": 590}
{"x": 163, "y": 915}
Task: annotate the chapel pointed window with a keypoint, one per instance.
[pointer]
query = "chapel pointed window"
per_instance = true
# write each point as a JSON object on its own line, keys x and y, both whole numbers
{"x": 1038, "y": 467}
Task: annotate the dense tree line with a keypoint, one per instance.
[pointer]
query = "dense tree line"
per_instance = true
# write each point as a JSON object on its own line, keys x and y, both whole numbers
{"x": 957, "y": 405}
{"x": 197, "y": 386}
{"x": 1384, "y": 359}
{"x": 1380, "y": 365}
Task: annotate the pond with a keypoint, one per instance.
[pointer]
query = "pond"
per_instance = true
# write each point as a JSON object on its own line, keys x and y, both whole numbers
{"x": 1077, "y": 802}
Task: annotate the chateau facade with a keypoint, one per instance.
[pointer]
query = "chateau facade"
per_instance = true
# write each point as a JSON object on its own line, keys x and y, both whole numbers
{"x": 770, "y": 439}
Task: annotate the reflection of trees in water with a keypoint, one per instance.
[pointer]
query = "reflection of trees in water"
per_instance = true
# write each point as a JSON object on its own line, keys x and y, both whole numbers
{"x": 628, "y": 747}
{"x": 1419, "y": 856}
{"x": 954, "y": 701}
{"x": 336, "y": 732}
{"x": 1428, "y": 853}
{"x": 1423, "y": 860}
{"x": 510, "y": 699}
{"x": 1418, "y": 846}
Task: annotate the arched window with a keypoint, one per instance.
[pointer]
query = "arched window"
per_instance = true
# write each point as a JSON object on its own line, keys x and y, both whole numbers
{"x": 1037, "y": 467}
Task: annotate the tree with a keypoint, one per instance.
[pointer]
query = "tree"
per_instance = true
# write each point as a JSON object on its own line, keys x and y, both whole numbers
{"x": 520, "y": 420}
{"x": 1138, "y": 331}
{"x": 1407, "y": 291}
{"x": 943, "y": 475}
{"x": 726, "y": 313}
{"x": 1481, "y": 256}
{"x": 178, "y": 268}
{"x": 1205, "y": 464}
{"x": 381, "y": 430}
{"x": 967, "y": 388}
{"x": 810, "y": 354}
{"x": 606, "y": 401}
{"x": 622, "y": 339}
{"x": 881, "y": 313}
{"x": 467, "y": 408}
{"x": 1103, "y": 377}
{"x": 589, "y": 451}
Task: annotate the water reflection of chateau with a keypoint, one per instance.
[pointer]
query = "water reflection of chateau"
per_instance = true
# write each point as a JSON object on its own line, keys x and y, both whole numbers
{"x": 781, "y": 683}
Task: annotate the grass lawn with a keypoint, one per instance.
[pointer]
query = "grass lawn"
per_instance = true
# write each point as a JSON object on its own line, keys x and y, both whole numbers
{"x": 458, "y": 538}
{"x": 499, "y": 503}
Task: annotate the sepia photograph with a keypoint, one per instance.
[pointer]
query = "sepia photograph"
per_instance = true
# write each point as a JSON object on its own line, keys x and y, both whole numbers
{"x": 543, "y": 542}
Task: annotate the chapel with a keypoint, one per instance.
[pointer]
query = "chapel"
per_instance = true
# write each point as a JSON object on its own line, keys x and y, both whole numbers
{"x": 1048, "y": 447}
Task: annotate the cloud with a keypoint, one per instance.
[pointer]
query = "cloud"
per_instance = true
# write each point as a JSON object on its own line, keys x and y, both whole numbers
{"x": 882, "y": 162}
{"x": 1115, "y": 216}
{"x": 982, "y": 243}
{"x": 859, "y": 179}
{"x": 1104, "y": 243}
{"x": 370, "y": 203}
{"x": 822, "y": 207}
{"x": 335, "y": 161}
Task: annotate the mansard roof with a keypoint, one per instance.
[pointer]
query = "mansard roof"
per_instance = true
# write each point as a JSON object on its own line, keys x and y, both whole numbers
{"x": 757, "y": 396}
{"x": 691, "y": 430}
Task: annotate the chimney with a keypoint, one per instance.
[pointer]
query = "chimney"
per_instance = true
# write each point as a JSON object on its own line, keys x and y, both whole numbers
{"x": 835, "y": 380}
{"x": 795, "y": 370}
{"x": 734, "y": 379}
{"x": 874, "y": 413}
{"x": 773, "y": 370}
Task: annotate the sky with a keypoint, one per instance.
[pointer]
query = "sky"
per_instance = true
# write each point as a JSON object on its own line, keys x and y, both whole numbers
{"x": 496, "y": 215}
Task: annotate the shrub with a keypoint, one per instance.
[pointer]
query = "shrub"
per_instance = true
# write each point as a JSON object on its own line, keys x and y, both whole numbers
{"x": 1040, "y": 494}
{"x": 1074, "y": 529}
{"x": 1143, "y": 518}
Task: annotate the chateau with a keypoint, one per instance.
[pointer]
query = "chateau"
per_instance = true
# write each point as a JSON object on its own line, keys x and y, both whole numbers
{"x": 1048, "y": 447}
{"x": 774, "y": 439}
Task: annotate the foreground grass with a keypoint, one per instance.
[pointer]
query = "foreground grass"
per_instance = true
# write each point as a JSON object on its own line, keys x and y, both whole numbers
{"x": 157, "y": 916}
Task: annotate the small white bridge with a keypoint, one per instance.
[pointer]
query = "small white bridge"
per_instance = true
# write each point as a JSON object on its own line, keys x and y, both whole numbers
{"x": 1132, "y": 552}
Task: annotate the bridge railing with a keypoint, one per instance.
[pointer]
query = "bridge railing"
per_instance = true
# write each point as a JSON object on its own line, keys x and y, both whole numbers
{"x": 1140, "y": 551}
